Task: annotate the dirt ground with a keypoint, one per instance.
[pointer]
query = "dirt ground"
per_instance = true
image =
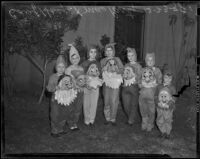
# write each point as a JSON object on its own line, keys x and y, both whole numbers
{"x": 27, "y": 130}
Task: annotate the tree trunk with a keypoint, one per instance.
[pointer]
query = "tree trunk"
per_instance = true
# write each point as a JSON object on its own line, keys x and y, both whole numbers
{"x": 43, "y": 88}
{"x": 44, "y": 81}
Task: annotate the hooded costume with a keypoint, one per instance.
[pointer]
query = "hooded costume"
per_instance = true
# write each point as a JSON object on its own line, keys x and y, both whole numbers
{"x": 78, "y": 76}
{"x": 156, "y": 70}
{"x": 165, "y": 105}
{"x": 146, "y": 98}
{"x": 73, "y": 53}
{"x": 136, "y": 65}
{"x": 165, "y": 108}
{"x": 130, "y": 93}
{"x": 91, "y": 91}
{"x": 59, "y": 113}
{"x": 112, "y": 70}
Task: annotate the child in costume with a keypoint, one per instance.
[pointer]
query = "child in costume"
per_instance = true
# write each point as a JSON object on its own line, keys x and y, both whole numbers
{"x": 92, "y": 70}
{"x": 57, "y": 115}
{"x": 74, "y": 58}
{"x": 150, "y": 62}
{"x": 130, "y": 90}
{"x": 165, "y": 105}
{"x": 77, "y": 74}
{"x": 147, "y": 86}
{"x": 112, "y": 70}
{"x": 151, "y": 77}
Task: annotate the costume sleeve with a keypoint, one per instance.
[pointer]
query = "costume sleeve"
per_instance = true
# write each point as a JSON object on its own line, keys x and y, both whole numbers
{"x": 139, "y": 72}
{"x": 51, "y": 87}
{"x": 158, "y": 76}
{"x": 120, "y": 65}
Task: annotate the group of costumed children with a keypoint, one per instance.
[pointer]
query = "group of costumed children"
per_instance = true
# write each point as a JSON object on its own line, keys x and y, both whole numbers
{"x": 145, "y": 92}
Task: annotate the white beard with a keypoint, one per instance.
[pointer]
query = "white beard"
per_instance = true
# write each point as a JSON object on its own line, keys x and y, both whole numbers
{"x": 150, "y": 84}
{"x": 129, "y": 82}
{"x": 112, "y": 80}
{"x": 94, "y": 82}
{"x": 65, "y": 97}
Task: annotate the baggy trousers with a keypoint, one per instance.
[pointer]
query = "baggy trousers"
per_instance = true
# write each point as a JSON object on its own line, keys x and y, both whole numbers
{"x": 130, "y": 95}
{"x": 147, "y": 108}
{"x": 90, "y": 103}
{"x": 164, "y": 120}
{"x": 111, "y": 102}
{"x": 60, "y": 114}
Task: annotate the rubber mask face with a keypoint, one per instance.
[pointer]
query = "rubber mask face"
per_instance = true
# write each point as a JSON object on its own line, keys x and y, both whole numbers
{"x": 66, "y": 83}
{"x": 148, "y": 76}
{"x": 81, "y": 81}
{"x": 93, "y": 70}
{"x": 111, "y": 66}
{"x": 164, "y": 97}
{"x": 128, "y": 73}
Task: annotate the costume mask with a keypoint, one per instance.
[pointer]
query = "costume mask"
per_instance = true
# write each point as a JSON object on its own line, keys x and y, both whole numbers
{"x": 93, "y": 71}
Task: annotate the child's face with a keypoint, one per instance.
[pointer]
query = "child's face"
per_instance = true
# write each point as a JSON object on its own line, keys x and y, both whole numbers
{"x": 131, "y": 57}
{"x": 128, "y": 73}
{"x": 75, "y": 59}
{"x": 109, "y": 52}
{"x": 92, "y": 53}
{"x": 150, "y": 62}
{"x": 167, "y": 79}
{"x": 60, "y": 68}
{"x": 164, "y": 97}
{"x": 93, "y": 70}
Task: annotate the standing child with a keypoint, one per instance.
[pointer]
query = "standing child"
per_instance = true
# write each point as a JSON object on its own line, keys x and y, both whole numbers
{"x": 151, "y": 77}
{"x": 130, "y": 90}
{"x": 56, "y": 116}
{"x": 166, "y": 105}
{"x": 92, "y": 69}
{"x": 77, "y": 74}
{"x": 112, "y": 69}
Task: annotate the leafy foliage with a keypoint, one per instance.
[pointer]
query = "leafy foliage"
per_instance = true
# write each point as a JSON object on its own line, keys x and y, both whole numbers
{"x": 82, "y": 49}
{"x": 35, "y": 35}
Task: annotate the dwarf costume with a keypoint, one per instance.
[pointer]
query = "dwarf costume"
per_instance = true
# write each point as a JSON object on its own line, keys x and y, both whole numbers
{"x": 77, "y": 74}
{"x": 60, "y": 110}
{"x": 165, "y": 105}
{"x": 165, "y": 108}
{"x": 146, "y": 98}
{"x": 130, "y": 93}
{"x": 91, "y": 91}
{"x": 112, "y": 70}
{"x": 156, "y": 70}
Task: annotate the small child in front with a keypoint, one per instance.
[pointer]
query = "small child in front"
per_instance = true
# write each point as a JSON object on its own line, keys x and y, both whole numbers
{"x": 165, "y": 105}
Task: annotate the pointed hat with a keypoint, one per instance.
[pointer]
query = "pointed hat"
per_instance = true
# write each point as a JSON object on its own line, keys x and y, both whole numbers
{"x": 60, "y": 59}
{"x": 73, "y": 51}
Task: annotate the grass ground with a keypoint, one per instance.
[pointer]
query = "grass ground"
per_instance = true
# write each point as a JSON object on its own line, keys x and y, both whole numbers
{"x": 27, "y": 130}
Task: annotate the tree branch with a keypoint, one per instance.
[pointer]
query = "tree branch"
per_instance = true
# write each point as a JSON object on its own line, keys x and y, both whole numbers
{"x": 33, "y": 61}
